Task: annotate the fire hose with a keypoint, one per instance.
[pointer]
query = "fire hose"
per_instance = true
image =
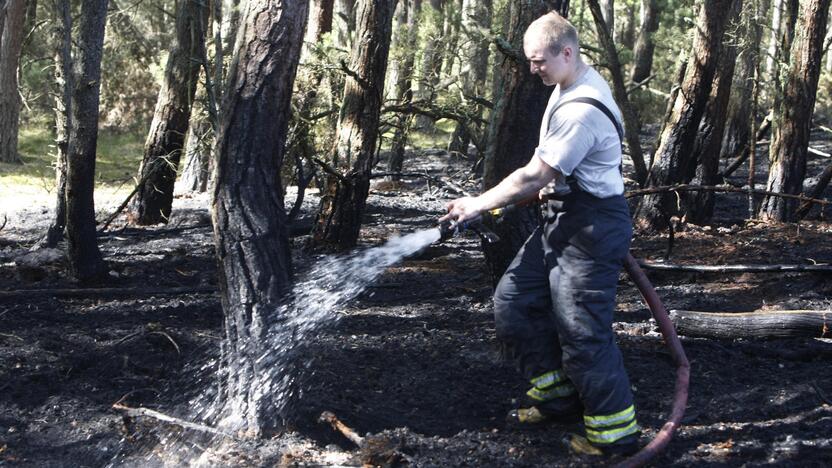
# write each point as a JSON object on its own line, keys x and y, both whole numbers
{"x": 660, "y": 441}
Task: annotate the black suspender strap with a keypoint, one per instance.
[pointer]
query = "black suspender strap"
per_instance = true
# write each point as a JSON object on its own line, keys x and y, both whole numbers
{"x": 571, "y": 181}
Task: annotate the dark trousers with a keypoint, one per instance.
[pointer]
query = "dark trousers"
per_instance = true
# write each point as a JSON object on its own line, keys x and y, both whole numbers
{"x": 554, "y": 306}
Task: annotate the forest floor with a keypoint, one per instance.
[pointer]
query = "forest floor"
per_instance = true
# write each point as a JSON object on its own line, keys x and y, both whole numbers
{"x": 412, "y": 361}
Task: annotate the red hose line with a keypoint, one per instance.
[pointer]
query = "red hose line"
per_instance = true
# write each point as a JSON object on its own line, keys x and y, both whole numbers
{"x": 680, "y": 398}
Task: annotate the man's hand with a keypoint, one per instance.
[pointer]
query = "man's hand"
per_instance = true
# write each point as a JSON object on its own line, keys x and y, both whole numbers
{"x": 463, "y": 209}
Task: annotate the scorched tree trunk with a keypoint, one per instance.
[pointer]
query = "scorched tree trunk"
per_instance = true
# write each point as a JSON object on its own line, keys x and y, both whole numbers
{"x": 249, "y": 219}
{"x": 157, "y": 175}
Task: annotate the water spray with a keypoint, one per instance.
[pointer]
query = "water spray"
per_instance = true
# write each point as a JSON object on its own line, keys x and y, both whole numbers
{"x": 448, "y": 229}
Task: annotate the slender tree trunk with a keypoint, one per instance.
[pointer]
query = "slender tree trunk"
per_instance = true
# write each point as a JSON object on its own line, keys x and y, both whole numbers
{"x": 85, "y": 261}
{"x": 608, "y": 12}
{"x": 793, "y": 113}
{"x": 344, "y": 18}
{"x": 631, "y": 123}
{"x": 476, "y": 22}
{"x": 11, "y": 41}
{"x": 514, "y": 131}
{"x": 431, "y": 67}
{"x": 699, "y": 206}
{"x": 249, "y": 219}
{"x": 625, "y": 34}
{"x": 673, "y": 162}
{"x": 739, "y": 106}
{"x": 198, "y": 144}
{"x": 63, "y": 80}
{"x": 450, "y": 50}
{"x": 408, "y": 35}
{"x": 345, "y": 194}
{"x": 320, "y": 20}
{"x": 774, "y": 37}
{"x": 3, "y": 10}
{"x": 643, "y": 53}
{"x": 153, "y": 201}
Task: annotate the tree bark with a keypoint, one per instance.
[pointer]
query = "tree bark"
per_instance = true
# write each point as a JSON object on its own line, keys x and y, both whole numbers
{"x": 631, "y": 123}
{"x": 152, "y": 203}
{"x": 344, "y": 19}
{"x": 699, "y": 207}
{"x": 793, "y": 113}
{"x": 345, "y": 194}
{"x": 759, "y": 324}
{"x": 11, "y": 41}
{"x": 673, "y": 163}
{"x": 514, "y": 131}
{"x": 476, "y": 22}
{"x": 431, "y": 69}
{"x": 408, "y": 37}
{"x": 608, "y": 13}
{"x": 85, "y": 261}
{"x": 320, "y": 20}
{"x": 63, "y": 80}
{"x": 737, "y": 130}
{"x": 198, "y": 144}
{"x": 249, "y": 220}
{"x": 643, "y": 53}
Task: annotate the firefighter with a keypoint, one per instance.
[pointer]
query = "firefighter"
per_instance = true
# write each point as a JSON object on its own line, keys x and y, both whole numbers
{"x": 554, "y": 304}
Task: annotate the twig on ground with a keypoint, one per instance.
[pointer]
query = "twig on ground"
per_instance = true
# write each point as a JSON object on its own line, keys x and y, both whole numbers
{"x": 9, "y": 335}
{"x": 339, "y": 426}
{"x": 76, "y": 292}
{"x": 171, "y": 420}
{"x": 820, "y": 393}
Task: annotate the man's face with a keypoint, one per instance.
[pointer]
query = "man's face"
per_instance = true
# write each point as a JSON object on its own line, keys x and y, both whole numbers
{"x": 542, "y": 62}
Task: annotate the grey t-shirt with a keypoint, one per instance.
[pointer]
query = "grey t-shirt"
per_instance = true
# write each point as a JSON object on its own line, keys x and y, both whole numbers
{"x": 580, "y": 140}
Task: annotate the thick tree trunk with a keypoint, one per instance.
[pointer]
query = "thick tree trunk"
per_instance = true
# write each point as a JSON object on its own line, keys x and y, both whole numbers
{"x": 152, "y": 203}
{"x": 408, "y": 36}
{"x": 63, "y": 80}
{"x": 631, "y": 123}
{"x": 320, "y": 20}
{"x": 699, "y": 207}
{"x": 673, "y": 163}
{"x": 249, "y": 219}
{"x": 793, "y": 113}
{"x": 85, "y": 261}
{"x": 476, "y": 22}
{"x": 643, "y": 53}
{"x": 514, "y": 131}
{"x": 345, "y": 194}
{"x": 737, "y": 130}
{"x": 11, "y": 41}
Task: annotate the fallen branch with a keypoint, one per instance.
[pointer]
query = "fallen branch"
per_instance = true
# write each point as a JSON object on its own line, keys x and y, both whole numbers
{"x": 82, "y": 292}
{"x": 720, "y": 188}
{"x": 821, "y": 395}
{"x": 339, "y": 426}
{"x": 447, "y": 183}
{"x": 758, "y": 324}
{"x": 134, "y": 412}
{"x": 734, "y": 268}
{"x": 375, "y": 450}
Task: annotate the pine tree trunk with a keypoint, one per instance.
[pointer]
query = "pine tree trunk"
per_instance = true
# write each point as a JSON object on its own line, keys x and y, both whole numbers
{"x": 345, "y": 194}
{"x": 631, "y": 123}
{"x": 198, "y": 144}
{"x": 250, "y": 229}
{"x": 699, "y": 206}
{"x": 793, "y": 113}
{"x": 476, "y": 22}
{"x": 608, "y": 12}
{"x": 737, "y": 130}
{"x": 408, "y": 35}
{"x": 514, "y": 132}
{"x": 431, "y": 67}
{"x": 152, "y": 203}
{"x": 673, "y": 161}
{"x": 63, "y": 80}
{"x": 344, "y": 19}
{"x": 85, "y": 261}
{"x": 643, "y": 53}
{"x": 11, "y": 41}
{"x": 625, "y": 34}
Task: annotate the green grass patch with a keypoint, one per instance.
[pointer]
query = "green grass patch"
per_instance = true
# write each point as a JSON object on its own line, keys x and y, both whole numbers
{"x": 117, "y": 159}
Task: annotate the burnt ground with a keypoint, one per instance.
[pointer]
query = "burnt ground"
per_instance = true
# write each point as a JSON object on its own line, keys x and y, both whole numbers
{"x": 412, "y": 361}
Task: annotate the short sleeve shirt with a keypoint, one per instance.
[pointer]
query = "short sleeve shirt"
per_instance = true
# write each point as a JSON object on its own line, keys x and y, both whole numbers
{"x": 580, "y": 140}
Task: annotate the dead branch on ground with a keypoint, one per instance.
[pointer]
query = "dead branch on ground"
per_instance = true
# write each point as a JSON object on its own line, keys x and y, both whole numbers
{"x": 135, "y": 412}
{"x": 735, "y": 268}
{"x": 86, "y": 292}
{"x": 758, "y": 324}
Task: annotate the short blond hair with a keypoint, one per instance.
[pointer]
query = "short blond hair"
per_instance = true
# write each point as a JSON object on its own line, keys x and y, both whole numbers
{"x": 554, "y": 30}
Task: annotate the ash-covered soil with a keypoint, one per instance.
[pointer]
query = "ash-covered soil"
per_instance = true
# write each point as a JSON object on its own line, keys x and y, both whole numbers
{"x": 412, "y": 364}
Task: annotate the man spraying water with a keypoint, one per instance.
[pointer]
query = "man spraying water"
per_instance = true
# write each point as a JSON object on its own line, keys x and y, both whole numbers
{"x": 554, "y": 304}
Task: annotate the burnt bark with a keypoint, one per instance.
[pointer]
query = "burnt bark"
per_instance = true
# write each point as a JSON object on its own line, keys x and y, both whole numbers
{"x": 249, "y": 220}
{"x": 699, "y": 207}
{"x": 11, "y": 42}
{"x": 619, "y": 89}
{"x": 63, "y": 80}
{"x": 198, "y": 144}
{"x": 345, "y": 194}
{"x": 673, "y": 162}
{"x": 793, "y": 113}
{"x": 514, "y": 131}
{"x": 737, "y": 129}
{"x": 85, "y": 261}
{"x": 152, "y": 203}
{"x": 643, "y": 52}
